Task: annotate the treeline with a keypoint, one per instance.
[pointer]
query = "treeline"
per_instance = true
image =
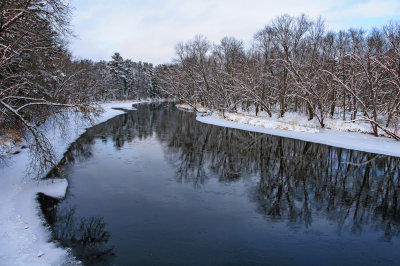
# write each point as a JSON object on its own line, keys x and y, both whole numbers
{"x": 295, "y": 65}
{"x": 124, "y": 79}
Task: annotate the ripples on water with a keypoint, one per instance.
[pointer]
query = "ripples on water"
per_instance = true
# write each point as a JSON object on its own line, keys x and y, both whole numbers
{"x": 154, "y": 186}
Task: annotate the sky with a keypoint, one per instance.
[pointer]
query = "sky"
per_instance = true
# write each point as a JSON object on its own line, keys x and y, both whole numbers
{"x": 148, "y": 30}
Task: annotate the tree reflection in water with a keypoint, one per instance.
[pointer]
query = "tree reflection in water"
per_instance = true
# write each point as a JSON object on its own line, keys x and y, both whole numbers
{"x": 296, "y": 180}
{"x": 87, "y": 237}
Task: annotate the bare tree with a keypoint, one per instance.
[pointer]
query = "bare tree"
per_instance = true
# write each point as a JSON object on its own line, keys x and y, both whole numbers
{"x": 37, "y": 75}
{"x": 295, "y": 64}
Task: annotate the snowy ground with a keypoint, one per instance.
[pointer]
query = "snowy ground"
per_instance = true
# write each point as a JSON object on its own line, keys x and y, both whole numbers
{"x": 355, "y": 136}
{"x": 23, "y": 236}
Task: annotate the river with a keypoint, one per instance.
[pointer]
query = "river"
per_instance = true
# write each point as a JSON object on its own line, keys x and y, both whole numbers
{"x": 156, "y": 187}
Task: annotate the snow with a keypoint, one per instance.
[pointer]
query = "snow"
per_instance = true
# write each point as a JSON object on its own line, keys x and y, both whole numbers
{"x": 24, "y": 240}
{"x": 337, "y": 133}
{"x": 269, "y": 123}
{"x": 188, "y": 108}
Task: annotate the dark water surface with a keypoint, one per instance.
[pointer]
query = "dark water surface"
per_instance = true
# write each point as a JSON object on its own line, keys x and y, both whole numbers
{"x": 156, "y": 187}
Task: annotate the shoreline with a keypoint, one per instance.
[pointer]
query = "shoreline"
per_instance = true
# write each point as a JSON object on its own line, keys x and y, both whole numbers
{"x": 346, "y": 140}
{"x": 297, "y": 127}
{"x": 24, "y": 235}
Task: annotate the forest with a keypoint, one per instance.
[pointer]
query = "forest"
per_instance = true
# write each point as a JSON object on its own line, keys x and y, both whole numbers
{"x": 293, "y": 64}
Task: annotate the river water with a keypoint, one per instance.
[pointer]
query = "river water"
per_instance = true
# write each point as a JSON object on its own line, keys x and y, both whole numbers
{"x": 156, "y": 187}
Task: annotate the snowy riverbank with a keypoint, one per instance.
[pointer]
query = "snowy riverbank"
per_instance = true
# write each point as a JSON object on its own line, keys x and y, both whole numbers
{"x": 338, "y": 133}
{"x": 23, "y": 236}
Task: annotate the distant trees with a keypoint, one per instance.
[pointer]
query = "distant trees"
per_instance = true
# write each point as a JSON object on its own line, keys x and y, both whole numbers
{"x": 124, "y": 79}
{"x": 295, "y": 65}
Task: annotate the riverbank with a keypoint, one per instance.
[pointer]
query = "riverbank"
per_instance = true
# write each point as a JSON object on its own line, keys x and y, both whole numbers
{"x": 338, "y": 133}
{"x": 24, "y": 240}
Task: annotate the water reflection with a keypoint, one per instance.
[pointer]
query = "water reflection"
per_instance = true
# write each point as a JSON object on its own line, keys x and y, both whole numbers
{"x": 86, "y": 236}
{"x": 296, "y": 181}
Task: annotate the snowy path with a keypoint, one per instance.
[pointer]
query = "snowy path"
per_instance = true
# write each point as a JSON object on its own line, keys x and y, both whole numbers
{"x": 348, "y": 140}
{"x": 23, "y": 238}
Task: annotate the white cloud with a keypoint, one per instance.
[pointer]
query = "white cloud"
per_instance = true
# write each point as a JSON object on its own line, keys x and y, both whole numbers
{"x": 149, "y": 30}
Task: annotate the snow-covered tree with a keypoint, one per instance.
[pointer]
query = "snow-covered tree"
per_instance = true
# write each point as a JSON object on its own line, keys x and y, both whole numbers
{"x": 295, "y": 64}
{"x": 37, "y": 74}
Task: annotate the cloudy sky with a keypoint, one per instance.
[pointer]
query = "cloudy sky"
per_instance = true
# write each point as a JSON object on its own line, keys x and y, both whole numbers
{"x": 148, "y": 30}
